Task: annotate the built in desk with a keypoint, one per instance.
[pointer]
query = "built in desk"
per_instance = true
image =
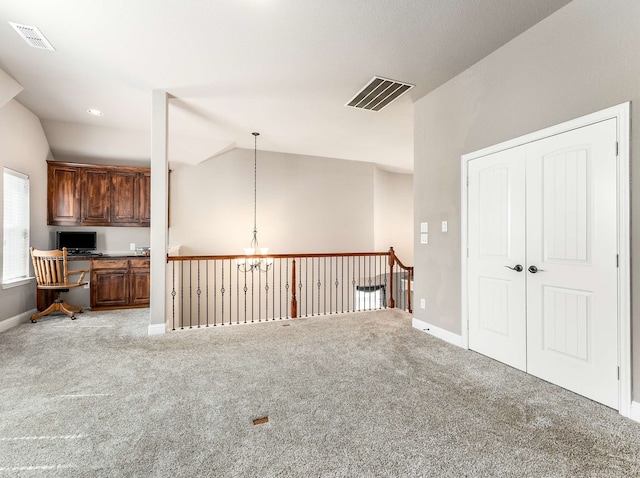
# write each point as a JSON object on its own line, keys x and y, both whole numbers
{"x": 117, "y": 281}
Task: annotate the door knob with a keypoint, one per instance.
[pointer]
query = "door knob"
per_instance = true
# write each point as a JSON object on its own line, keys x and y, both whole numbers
{"x": 517, "y": 268}
{"x": 534, "y": 269}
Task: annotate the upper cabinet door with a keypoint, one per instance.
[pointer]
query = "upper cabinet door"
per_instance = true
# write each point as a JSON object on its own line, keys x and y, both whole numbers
{"x": 95, "y": 200}
{"x": 145, "y": 198}
{"x": 125, "y": 205}
{"x": 63, "y": 195}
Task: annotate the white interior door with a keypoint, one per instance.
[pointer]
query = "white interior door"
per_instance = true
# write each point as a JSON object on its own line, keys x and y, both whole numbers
{"x": 550, "y": 206}
{"x": 572, "y": 317}
{"x": 496, "y": 277}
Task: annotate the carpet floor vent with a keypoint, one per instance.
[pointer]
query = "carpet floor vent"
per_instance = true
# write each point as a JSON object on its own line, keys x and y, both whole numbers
{"x": 32, "y": 36}
{"x": 378, "y": 93}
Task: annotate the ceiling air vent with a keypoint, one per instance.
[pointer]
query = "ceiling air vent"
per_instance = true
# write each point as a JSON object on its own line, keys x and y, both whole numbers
{"x": 32, "y": 36}
{"x": 378, "y": 93}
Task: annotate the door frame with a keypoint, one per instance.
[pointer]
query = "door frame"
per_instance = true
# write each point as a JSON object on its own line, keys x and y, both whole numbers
{"x": 620, "y": 112}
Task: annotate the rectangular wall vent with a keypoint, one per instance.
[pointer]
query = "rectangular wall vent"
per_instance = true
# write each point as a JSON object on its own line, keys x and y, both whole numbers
{"x": 378, "y": 93}
{"x": 32, "y": 36}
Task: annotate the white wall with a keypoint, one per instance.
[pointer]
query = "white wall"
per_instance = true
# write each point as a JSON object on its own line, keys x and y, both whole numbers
{"x": 581, "y": 59}
{"x": 393, "y": 213}
{"x": 305, "y": 204}
{"x": 24, "y": 148}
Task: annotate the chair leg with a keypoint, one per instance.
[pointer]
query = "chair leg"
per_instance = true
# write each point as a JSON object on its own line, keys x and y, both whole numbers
{"x": 63, "y": 308}
{"x": 58, "y": 306}
{"x": 77, "y": 308}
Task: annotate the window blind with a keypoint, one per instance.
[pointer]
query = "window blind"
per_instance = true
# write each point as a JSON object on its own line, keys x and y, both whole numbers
{"x": 15, "y": 245}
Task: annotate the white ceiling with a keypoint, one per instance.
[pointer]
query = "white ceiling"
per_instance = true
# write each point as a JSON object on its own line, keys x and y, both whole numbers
{"x": 284, "y": 68}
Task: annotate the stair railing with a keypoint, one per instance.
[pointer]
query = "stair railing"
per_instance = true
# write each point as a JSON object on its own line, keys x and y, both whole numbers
{"x": 221, "y": 290}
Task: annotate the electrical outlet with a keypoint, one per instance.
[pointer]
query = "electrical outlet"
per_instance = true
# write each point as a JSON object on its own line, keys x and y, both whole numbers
{"x": 86, "y": 286}
{"x": 424, "y": 238}
{"x": 423, "y": 304}
{"x": 132, "y": 246}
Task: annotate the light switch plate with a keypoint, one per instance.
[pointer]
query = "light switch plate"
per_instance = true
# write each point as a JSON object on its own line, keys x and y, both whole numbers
{"x": 424, "y": 227}
{"x": 423, "y": 304}
{"x": 424, "y": 238}
{"x": 445, "y": 226}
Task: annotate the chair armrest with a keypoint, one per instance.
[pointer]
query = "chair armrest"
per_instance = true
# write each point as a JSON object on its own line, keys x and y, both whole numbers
{"x": 82, "y": 272}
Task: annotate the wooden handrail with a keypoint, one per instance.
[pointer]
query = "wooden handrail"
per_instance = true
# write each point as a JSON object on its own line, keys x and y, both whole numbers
{"x": 275, "y": 256}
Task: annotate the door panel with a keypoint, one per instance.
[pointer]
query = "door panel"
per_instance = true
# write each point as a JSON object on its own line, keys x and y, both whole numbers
{"x": 95, "y": 196}
{"x": 572, "y": 328}
{"x": 497, "y": 325}
{"x": 566, "y": 195}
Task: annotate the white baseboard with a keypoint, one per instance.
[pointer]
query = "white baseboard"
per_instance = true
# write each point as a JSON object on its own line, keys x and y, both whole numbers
{"x": 157, "y": 329}
{"x": 16, "y": 320}
{"x": 635, "y": 411}
{"x": 442, "y": 334}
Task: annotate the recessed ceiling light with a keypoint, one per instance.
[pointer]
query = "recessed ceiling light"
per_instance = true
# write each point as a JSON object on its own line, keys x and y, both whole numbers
{"x": 95, "y": 112}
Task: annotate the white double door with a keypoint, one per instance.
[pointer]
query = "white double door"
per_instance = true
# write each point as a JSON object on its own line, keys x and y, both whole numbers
{"x": 542, "y": 261}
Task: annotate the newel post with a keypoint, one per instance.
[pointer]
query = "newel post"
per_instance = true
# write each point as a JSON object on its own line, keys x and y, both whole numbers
{"x": 294, "y": 301}
{"x": 392, "y": 261}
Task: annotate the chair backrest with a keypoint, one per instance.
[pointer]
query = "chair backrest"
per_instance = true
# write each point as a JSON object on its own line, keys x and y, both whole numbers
{"x": 50, "y": 267}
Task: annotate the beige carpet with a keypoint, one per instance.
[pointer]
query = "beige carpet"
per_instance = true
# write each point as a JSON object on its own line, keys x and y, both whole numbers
{"x": 345, "y": 396}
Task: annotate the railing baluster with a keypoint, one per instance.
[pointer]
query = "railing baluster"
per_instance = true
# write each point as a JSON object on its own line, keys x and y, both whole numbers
{"x": 182, "y": 295}
{"x": 245, "y": 289}
{"x": 385, "y": 281}
{"x": 173, "y": 296}
{"x": 325, "y": 287}
{"x": 294, "y": 300}
{"x": 237, "y": 295}
{"x": 319, "y": 285}
{"x": 266, "y": 297}
{"x": 259, "y": 298}
{"x": 252, "y": 296}
{"x": 206, "y": 293}
{"x": 353, "y": 283}
{"x": 230, "y": 293}
{"x": 215, "y": 293}
{"x": 198, "y": 292}
{"x": 222, "y": 290}
{"x": 190, "y": 294}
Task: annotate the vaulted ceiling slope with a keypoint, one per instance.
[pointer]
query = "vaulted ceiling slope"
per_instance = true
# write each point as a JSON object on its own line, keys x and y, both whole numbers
{"x": 284, "y": 68}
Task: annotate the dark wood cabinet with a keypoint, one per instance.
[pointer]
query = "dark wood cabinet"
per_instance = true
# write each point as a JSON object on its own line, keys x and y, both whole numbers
{"x": 145, "y": 198}
{"x": 139, "y": 282}
{"x": 126, "y": 197}
{"x": 63, "y": 194}
{"x": 120, "y": 283}
{"x": 93, "y": 195}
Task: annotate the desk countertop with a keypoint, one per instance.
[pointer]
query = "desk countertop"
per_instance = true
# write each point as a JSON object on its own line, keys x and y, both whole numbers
{"x": 88, "y": 257}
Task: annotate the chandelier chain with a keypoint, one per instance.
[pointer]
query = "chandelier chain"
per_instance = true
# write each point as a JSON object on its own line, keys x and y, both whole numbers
{"x": 255, "y": 181}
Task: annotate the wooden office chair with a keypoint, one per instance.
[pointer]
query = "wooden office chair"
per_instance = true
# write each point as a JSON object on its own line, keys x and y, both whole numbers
{"x": 53, "y": 274}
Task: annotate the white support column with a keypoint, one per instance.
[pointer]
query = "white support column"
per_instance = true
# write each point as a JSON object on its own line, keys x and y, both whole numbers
{"x": 159, "y": 210}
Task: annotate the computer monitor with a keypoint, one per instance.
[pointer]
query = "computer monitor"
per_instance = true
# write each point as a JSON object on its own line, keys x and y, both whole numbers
{"x": 76, "y": 242}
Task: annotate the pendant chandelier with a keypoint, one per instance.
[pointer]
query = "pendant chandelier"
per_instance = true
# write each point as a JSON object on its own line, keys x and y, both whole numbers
{"x": 248, "y": 263}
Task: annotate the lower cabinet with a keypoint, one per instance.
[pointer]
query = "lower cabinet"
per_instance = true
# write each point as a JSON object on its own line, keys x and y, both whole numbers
{"x": 120, "y": 283}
